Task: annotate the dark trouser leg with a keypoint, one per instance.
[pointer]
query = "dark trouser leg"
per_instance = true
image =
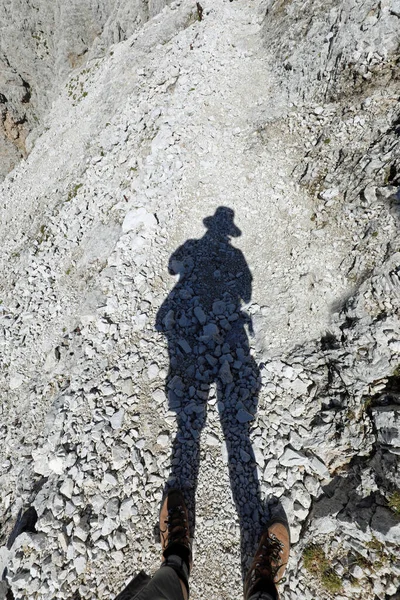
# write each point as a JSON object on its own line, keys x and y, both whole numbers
{"x": 262, "y": 596}
{"x": 185, "y": 457}
{"x": 165, "y": 585}
{"x": 264, "y": 590}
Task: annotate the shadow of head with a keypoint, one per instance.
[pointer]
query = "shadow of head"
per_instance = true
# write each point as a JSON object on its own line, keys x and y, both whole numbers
{"x": 221, "y": 224}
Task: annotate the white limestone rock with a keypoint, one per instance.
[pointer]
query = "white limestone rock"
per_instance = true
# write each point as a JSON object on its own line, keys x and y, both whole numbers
{"x": 291, "y": 458}
{"x": 137, "y": 220}
{"x": 387, "y": 423}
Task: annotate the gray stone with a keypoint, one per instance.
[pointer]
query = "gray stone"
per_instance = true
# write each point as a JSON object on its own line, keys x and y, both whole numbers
{"x": 270, "y": 470}
{"x": 80, "y": 564}
{"x": 200, "y": 315}
{"x": 119, "y": 539}
{"x": 127, "y": 386}
{"x": 185, "y": 346}
{"x": 386, "y": 526}
{"x": 243, "y": 416}
{"x": 110, "y": 479}
{"x": 22, "y": 580}
{"x": 224, "y": 453}
{"x": 312, "y": 485}
{"x": 291, "y": 458}
{"x": 138, "y": 219}
{"x": 126, "y": 509}
{"x": 225, "y": 373}
{"x": 153, "y": 371}
{"x": 120, "y": 455}
{"x": 211, "y": 360}
{"x": 163, "y": 440}
{"x": 245, "y": 456}
{"x": 169, "y": 320}
{"x": 357, "y": 572}
{"x": 219, "y": 307}
{"x": 259, "y": 456}
{"x": 98, "y": 503}
{"x": 67, "y": 488}
{"x": 112, "y": 508}
{"x": 318, "y": 467}
{"x": 108, "y": 527}
{"x": 81, "y": 532}
{"x": 117, "y": 419}
{"x": 212, "y": 440}
{"x": 302, "y": 495}
{"x": 325, "y": 525}
{"x": 79, "y": 546}
{"x": 369, "y": 194}
{"x": 117, "y": 557}
{"x": 63, "y": 541}
{"x": 387, "y": 423}
{"x": 299, "y": 387}
{"x": 210, "y": 330}
{"x": 158, "y": 396}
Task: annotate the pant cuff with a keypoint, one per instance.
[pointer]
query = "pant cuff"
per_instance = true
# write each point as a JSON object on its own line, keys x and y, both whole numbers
{"x": 179, "y": 566}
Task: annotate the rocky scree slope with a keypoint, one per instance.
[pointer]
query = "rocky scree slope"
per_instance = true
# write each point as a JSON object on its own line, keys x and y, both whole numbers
{"x": 289, "y": 115}
{"x": 40, "y": 45}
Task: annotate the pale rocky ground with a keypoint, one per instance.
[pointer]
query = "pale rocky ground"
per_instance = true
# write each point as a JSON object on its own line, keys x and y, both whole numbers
{"x": 286, "y": 113}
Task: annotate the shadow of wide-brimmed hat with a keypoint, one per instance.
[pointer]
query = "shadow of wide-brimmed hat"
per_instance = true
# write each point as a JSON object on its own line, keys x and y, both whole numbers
{"x": 222, "y": 222}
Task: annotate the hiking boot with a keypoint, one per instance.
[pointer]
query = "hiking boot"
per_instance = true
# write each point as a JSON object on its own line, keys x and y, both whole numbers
{"x": 174, "y": 527}
{"x": 270, "y": 561}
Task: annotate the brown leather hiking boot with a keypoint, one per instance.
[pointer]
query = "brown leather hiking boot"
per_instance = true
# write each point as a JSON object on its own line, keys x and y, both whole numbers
{"x": 270, "y": 561}
{"x": 174, "y": 527}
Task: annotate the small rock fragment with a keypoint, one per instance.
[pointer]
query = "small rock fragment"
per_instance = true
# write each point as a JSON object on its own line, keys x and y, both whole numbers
{"x": 243, "y": 416}
{"x": 291, "y": 458}
{"x": 80, "y": 564}
{"x": 200, "y": 315}
{"x": 67, "y": 488}
{"x": 117, "y": 419}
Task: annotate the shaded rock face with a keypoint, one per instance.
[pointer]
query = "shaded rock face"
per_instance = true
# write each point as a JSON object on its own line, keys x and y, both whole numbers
{"x": 332, "y": 50}
{"x": 387, "y": 423}
{"x": 41, "y": 43}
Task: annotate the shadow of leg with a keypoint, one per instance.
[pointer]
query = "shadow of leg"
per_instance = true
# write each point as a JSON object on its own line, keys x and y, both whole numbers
{"x": 185, "y": 455}
{"x": 244, "y": 484}
{"x": 238, "y": 389}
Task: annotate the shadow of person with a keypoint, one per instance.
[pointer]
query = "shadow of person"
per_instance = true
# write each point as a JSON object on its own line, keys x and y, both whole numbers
{"x": 203, "y": 321}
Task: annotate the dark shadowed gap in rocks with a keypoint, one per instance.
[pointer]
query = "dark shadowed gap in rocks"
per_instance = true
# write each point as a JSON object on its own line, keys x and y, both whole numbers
{"x": 356, "y": 500}
{"x": 26, "y": 521}
{"x": 207, "y": 333}
{"x": 342, "y": 501}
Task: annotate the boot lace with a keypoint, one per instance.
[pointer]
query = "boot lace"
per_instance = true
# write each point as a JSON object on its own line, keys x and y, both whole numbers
{"x": 176, "y": 526}
{"x": 268, "y": 561}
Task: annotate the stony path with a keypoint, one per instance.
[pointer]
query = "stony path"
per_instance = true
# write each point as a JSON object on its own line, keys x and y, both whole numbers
{"x": 227, "y": 96}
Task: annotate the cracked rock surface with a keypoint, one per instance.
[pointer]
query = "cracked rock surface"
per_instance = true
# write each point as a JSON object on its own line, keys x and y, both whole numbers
{"x": 200, "y": 286}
